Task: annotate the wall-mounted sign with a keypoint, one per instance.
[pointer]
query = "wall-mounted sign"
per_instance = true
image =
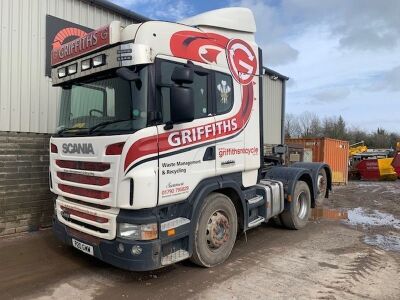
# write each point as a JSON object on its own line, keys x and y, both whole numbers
{"x": 60, "y": 32}
{"x": 84, "y": 44}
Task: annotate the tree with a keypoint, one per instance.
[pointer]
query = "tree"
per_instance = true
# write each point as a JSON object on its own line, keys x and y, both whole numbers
{"x": 309, "y": 124}
{"x": 292, "y": 126}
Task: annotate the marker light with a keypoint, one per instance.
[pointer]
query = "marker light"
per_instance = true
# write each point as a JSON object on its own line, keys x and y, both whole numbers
{"x": 86, "y": 64}
{"x": 115, "y": 149}
{"x": 62, "y": 72}
{"x": 99, "y": 60}
{"x": 72, "y": 68}
{"x": 53, "y": 148}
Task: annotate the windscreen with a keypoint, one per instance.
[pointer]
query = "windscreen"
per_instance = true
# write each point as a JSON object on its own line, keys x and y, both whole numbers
{"x": 104, "y": 106}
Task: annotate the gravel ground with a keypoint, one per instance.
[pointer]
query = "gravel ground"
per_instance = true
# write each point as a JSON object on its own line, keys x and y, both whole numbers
{"x": 349, "y": 250}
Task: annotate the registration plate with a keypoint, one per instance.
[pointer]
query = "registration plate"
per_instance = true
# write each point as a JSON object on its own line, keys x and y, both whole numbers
{"x": 82, "y": 246}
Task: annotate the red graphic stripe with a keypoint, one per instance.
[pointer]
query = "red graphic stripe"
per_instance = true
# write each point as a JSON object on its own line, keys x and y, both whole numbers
{"x": 186, "y": 44}
{"x": 148, "y": 146}
{"x": 191, "y": 45}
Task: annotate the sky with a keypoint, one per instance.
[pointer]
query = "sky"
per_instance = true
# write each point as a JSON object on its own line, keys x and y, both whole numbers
{"x": 342, "y": 56}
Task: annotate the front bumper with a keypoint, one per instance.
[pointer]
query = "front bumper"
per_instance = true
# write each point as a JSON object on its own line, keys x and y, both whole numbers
{"x": 107, "y": 251}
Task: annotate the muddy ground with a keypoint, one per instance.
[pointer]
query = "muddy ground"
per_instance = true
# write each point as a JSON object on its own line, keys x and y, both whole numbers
{"x": 349, "y": 250}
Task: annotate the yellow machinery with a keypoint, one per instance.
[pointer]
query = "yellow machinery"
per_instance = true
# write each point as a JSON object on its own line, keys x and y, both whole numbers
{"x": 371, "y": 165}
{"x": 357, "y": 150}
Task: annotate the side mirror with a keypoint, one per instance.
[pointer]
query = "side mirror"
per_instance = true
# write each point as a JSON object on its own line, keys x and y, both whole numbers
{"x": 127, "y": 74}
{"x": 182, "y": 104}
{"x": 182, "y": 75}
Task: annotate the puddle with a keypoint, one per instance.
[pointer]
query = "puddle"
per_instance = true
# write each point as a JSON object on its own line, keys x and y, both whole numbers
{"x": 328, "y": 214}
{"x": 356, "y": 216}
{"x": 359, "y": 216}
{"x": 385, "y": 242}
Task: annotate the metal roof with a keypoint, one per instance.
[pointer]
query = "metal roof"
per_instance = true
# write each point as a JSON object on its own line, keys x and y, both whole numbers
{"x": 274, "y": 73}
{"x": 119, "y": 10}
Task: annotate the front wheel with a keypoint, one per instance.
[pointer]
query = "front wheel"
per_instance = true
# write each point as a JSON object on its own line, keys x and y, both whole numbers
{"x": 296, "y": 217}
{"x": 215, "y": 232}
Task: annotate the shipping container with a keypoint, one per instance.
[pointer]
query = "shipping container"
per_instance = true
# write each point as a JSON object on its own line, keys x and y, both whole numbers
{"x": 331, "y": 151}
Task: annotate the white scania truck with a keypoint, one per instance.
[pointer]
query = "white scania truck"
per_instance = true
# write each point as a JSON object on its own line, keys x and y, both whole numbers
{"x": 159, "y": 152}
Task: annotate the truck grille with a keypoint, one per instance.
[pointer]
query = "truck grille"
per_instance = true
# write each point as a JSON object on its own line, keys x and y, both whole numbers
{"x": 83, "y": 192}
{"x": 84, "y": 180}
{"x": 93, "y": 180}
{"x": 98, "y": 223}
{"x": 83, "y": 165}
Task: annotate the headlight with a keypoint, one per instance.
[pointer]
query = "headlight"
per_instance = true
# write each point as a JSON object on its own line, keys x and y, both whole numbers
{"x": 138, "y": 232}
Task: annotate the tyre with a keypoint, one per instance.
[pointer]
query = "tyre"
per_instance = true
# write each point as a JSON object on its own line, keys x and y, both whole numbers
{"x": 215, "y": 232}
{"x": 296, "y": 217}
{"x": 322, "y": 185}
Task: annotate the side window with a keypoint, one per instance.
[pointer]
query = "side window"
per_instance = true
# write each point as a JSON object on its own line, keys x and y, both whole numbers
{"x": 199, "y": 86}
{"x": 223, "y": 92}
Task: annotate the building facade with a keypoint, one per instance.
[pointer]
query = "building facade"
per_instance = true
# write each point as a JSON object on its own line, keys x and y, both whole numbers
{"x": 28, "y": 102}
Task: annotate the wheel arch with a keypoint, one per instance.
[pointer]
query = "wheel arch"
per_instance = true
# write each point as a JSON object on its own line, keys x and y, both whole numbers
{"x": 229, "y": 186}
{"x": 315, "y": 167}
{"x": 289, "y": 177}
{"x": 234, "y": 196}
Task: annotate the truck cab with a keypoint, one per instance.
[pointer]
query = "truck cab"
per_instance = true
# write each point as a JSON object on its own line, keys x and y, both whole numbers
{"x": 158, "y": 156}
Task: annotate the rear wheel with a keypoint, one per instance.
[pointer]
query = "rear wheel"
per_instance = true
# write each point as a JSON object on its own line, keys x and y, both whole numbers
{"x": 296, "y": 217}
{"x": 216, "y": 230}
{"x": 322, "y": 185}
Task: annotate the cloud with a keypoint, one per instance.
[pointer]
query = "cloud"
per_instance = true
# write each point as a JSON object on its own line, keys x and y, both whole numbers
{"x": 392, "y": 79}
{"x": 388, "y": 80}
{"x": 279, "y": 53}
{"x": 331, "y": 94}
{"x": 357, "y": 24}
{"x": 175, "y": 10}
{"x": 169, "y": 10}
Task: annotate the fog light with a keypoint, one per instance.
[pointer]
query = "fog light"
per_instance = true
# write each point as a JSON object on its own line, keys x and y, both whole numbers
{"x": 99, "y": 60}
{"x": 62, "y": 72}
{"x": 136, "y": 250}
{"x": 86, "y": 64}
{"x": 72, "y": 69}
{"x": 120, "y": 248}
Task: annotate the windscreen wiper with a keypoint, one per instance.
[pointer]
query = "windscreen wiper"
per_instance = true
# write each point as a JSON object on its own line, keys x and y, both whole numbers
{"x": 71, "y": 128}
{"x": 103, "y": 124}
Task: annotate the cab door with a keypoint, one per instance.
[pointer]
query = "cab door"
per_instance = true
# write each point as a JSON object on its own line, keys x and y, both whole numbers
{"x": 227, "y": 106}
{"x": 186, "y": 150}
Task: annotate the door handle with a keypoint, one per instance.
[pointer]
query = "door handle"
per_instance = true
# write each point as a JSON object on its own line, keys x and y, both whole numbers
{"x": 209, "y": 154}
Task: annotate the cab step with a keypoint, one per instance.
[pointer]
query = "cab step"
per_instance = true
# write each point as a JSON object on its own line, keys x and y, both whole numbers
{"x": 174, "y": 257}
{"x": 254, "y": 202}
{"x": 256, "y": 222}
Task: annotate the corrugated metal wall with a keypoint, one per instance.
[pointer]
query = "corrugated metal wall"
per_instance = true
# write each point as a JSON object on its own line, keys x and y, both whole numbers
{"x": 28, "y": 102}
{"x": 272, "y": 110}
